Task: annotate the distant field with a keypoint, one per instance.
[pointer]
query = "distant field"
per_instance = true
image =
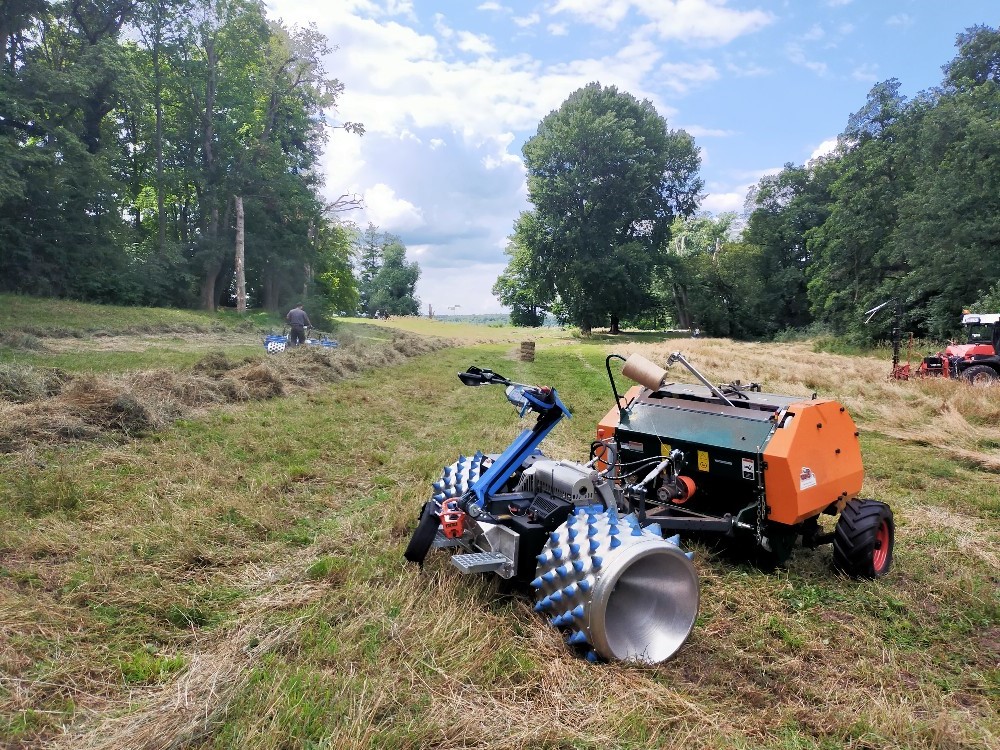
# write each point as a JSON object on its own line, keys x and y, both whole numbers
{"x": 233, "y": 578}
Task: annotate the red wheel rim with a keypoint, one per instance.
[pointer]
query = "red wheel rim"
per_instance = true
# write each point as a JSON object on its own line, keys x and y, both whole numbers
{"x": 881, "y": 555}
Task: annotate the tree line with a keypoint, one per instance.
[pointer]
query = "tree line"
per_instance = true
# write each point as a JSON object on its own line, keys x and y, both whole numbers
{"x": 166, "y": 152}
{"x": 906, "y": 208}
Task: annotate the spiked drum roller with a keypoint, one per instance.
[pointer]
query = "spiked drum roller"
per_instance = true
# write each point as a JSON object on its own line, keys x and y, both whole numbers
{"x": 620, "y": 589}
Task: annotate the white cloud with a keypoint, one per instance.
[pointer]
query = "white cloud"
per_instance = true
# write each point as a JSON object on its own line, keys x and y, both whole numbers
{"x": 491, "y": 6}
{"x": 392, "y": 214}
{"x": 468, "y": 290}
{"x": 529, "y": 20}
{"x": 693, "y": 21}
{"x": 900, "y": 20}
{"x": 682, "y": 77}
{"x": 838, "y": 3}
{"x": 718, "y": 203}
{"x": 798, "y": 56}
{"x": 814, "y": 33}
{"x": 867, "y": 72}
{"x": 477, "y": 44}
{"x": 557, "y": 29}
{"x": 825, "y": 148}
{"x": 698, "y": 131}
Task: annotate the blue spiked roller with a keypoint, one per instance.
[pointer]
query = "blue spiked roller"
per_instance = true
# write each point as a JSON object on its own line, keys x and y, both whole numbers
{"x": 636, "y": 600}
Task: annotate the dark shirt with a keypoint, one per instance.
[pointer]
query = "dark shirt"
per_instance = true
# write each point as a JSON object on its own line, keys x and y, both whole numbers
{"x": 298, "y": 317}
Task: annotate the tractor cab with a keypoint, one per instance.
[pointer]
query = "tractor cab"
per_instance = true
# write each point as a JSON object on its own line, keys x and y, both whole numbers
{"x": 983, "y": 330}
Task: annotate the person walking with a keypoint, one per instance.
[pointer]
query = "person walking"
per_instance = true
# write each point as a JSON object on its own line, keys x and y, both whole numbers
{"x": 298, "y": 320}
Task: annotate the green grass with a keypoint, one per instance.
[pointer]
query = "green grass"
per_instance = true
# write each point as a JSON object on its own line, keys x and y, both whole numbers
{"x": 46, "y": 317}
{"x": 265, "y": 541}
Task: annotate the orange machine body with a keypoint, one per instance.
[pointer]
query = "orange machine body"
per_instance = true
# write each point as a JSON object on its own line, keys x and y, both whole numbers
{"x": 801, "y": 457}
{"x": 811, "y": 462}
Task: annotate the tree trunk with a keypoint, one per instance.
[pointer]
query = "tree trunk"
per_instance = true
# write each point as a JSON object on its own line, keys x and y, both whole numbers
{"x": 614, "y": 326}
{"x": 208, "y": 281}
{"x": 681, "y": 303}
{"x": 241, "y": 278}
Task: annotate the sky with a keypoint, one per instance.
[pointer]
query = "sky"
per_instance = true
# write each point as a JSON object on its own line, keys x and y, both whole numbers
{"x": 448, "y": 92}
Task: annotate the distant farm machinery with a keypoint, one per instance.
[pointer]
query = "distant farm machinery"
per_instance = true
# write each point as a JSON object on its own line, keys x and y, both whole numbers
{"x": 593, "y": 540}
{"x": 275, "y": 343}
{"x": 976, "y": 361}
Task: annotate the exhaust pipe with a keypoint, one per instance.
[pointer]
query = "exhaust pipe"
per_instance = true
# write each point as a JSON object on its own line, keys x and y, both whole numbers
{"x": 618, "y": 588}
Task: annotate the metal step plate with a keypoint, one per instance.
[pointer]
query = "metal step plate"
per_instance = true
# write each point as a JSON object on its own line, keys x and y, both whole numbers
{"x": 443, "y": 542}
{"x": 480, "y": 562}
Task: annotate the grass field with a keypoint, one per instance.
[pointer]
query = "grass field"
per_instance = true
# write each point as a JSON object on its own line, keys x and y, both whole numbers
{"x": 234, "y": 578}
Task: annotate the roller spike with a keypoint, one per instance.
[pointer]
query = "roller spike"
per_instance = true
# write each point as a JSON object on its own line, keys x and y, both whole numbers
{"x": 461, "y": 459}
{"x": 592, "y": 531}
{"x": 439, "y": 497}
{"x": 563, "y": 571}
{"x": 597, "y": 561}
{"x": 636, "y": 531}
{"x": 585, "y": 586}
{"x": 689, "y": 555}
{"x": 577, "y": 638}
{"x": 554, "y": 536}
{"x": 596, "y": 508}
{"x": 538, "y": 582}
{"x": 615, "y": 543}
{"x": 540, "y": 606}
{"x": 573, "y": 533}
{"x": 592, "y": 657}
{"x": 437, "y": 486}
{"x": 578, "y": 566}
{"x": 571, "y": 519}
{"x": 613, "y": 530}
{"x": 570, "y": 590}
{"x": 574, "y": 549}
{"x": 675, "y": 540}
{"x": 578, "y": 612}
{"x": 556, "y": 596}
{"x": 557, "y": 621}
{"x": 549, "y": 577}
{"x": 557, "y": 553}
{"x": 594, "y": 545}
{"x": 541, "y": 559}
{"x": 447, "y": 471}
{"x": 655, "y": 528}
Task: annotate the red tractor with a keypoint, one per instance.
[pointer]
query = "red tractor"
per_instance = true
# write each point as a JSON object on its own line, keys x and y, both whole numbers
{"x": 977, "y": 361}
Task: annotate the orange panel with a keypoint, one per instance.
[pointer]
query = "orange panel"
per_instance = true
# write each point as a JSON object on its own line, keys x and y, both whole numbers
{"x": 606, "y": 427}
{"x": 813, "y": 460}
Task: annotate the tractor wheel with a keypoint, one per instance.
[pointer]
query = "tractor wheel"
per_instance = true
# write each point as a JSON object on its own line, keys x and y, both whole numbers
{"x": 980, "y": 375}
{"x": 863, "y": 539}
{"x": 423, "y": 536}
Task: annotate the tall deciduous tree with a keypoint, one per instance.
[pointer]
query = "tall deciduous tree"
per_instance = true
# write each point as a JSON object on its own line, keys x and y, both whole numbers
{"x": 606, "y": 177}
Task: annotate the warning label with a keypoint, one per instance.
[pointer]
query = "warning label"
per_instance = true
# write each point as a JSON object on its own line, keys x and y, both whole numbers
{"x": 806, "y": 478}
{"x": 702, "y": 460}
{"x": 748, "y": 470}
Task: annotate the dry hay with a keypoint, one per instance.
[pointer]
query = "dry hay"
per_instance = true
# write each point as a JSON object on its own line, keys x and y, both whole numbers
{"x": 39, "y": 407}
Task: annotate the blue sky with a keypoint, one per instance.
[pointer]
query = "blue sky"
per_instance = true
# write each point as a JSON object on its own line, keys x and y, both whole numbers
{"x": 450, "y": 90}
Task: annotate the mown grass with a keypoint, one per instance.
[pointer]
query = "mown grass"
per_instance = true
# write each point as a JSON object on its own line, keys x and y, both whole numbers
{"x": 235, "y": 580}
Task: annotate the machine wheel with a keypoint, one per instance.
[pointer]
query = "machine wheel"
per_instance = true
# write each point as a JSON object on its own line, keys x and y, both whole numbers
{"x": 863, "y": 539}
{"x": 980, "y": 375}
{"x": 423, "y": 535}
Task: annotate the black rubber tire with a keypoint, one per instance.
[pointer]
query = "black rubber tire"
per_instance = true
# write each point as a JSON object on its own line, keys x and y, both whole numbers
{"x": 980, "y": 375}
{"x": 423, "y": 535}
{"x": 863, "y": 539}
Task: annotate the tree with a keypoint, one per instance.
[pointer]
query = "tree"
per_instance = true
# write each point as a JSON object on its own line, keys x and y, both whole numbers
{"x": 783, "y": 209}
{"x": 395, "y": 283}
{"x": 606, "y": 178}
